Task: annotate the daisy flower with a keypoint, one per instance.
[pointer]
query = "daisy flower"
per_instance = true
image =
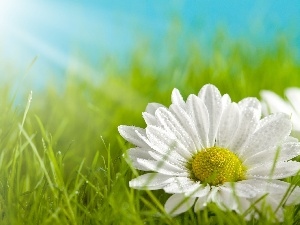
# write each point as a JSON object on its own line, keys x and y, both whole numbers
{"x": 209, "y": 149}
{"x": 273, "y": 103}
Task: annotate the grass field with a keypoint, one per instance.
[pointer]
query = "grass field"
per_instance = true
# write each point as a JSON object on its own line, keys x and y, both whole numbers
{"x": 61, "y": 155}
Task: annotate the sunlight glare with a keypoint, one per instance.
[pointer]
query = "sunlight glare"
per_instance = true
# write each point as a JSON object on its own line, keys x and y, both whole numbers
{"x": 6, "y": 11}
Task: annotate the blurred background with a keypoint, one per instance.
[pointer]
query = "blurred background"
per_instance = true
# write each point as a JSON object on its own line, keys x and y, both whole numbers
{"x": 45, "y": 39}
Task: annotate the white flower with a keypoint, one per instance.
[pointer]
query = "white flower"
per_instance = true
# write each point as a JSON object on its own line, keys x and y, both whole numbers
{"x": 273, "y": 103}
{"x": 209, "y": 149}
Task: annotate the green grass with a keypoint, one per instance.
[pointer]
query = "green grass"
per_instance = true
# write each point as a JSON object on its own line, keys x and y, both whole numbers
{"x": 61, "y": 158}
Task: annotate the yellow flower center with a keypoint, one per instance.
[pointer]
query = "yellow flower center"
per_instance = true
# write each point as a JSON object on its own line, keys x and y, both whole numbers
{"x": 217, "y": 165}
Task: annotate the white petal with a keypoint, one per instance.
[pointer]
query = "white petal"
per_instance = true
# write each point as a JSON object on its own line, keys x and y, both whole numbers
{"x": 188, "y": 125}
{"x": 177, "y": 98}
{"x": 286, "y": 152}
{"x": 267, "y": 156}
{"x": 274, "y": 203}
{"x": 228, "y": 125}
{"x": 186, "y": 186}
{"x": 251, "y": 103}
{"x": 138, "y": 152}
{"x": 276, "y": 190}
{"x": 226, "y": 199}
{"x": 248, "y": 116}
{"x": 243, "y": 205}
{"x": 152, "y": 107}
{"x": 198, "y": 190}
{"x": 161, "y": 140}
{"x": 296, "y": 124}
{"x": 172, "y": 125}
{"x": 173, "y": 157}
{"x": 271, "y": 130}
{"x": 178, "y": 203}
{"x": 291, "y": 139}
{"x": 214, "y": 196}
{"x": 163, "y": 167}
{"x": 268, "y": 186}
{"x": 270, "y": 202}
{"x": 149, "y": 119}
{"x": 179, "y": 185}
{"x": 275, "y": 103}
{"x": 248, "y": 123}
{"x": 240, "y": 189}
{"x": 283, "y": 117}
{"x": 199, "y": 115}
{"x": 165, "y": 142}
{"x": 294, "y": 196}
{"x": 233, "y": 196}
{"x": 281, "y": 170}
{"x": 134, "y": 153}
{"x": 201, "y": 203}
{"x": 129, "y": 133}
{"x": 293, "y": 95}
{"x": 211, "y": 196}
{"x": 226, "y": 100}
{"x": 211, "y": 97}
{"x": 150, "y": 181}
{"x": 264, "y": 109}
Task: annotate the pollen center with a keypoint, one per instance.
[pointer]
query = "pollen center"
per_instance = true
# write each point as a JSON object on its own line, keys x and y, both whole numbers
{"x": 217, "y": 165}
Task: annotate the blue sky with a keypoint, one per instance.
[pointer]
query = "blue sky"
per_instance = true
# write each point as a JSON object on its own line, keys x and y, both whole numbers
{"x": 54, "y": 31}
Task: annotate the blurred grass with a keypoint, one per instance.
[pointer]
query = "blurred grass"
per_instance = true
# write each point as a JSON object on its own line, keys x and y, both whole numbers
{"x": 65, "y": 165}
